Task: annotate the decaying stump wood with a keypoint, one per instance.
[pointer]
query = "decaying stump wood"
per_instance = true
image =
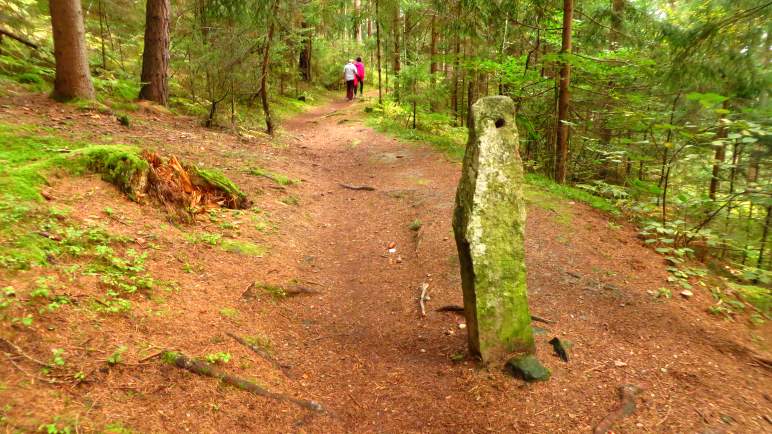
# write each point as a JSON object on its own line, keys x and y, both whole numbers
{"x": 202, "y": 368}
{"x": 627, "y": 395}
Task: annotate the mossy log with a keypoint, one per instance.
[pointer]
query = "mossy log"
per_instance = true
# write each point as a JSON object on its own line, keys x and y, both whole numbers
{"x": 202, "y": 368}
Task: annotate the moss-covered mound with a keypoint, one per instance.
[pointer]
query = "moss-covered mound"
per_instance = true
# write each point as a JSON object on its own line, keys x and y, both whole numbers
{"x": 188, "y": 190}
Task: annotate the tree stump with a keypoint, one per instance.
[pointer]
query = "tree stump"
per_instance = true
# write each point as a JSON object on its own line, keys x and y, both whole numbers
{"x": 489, "y": 223}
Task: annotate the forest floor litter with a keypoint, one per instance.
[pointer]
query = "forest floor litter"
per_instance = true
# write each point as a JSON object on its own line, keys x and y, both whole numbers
{"x": 298, "y": 296}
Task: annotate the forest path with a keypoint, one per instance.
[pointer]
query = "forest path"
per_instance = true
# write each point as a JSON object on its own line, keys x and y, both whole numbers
{"x": 382, "y": 367}
{"x": 359, "y": 345}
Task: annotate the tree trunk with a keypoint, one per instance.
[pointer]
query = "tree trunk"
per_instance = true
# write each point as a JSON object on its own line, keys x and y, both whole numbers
{"x": 718, "y": 160}
{"x": 617, "y": 19}
{"x": 561, "y": 151}
{"x": 764, "y": 236}
{"x": 358, "y": 21}
{"x": 433, "y": 58}
{"x": 456, "y": 63}
{"x": 396, "y": 31}
{"x": 304, "y": 59}
{"x": 73, "y": 79}
{"x": 264, "y": 69}
{"x": 378, "y": 49}
{"x": 155, "y": 58}
{"x": 102, "y": 33}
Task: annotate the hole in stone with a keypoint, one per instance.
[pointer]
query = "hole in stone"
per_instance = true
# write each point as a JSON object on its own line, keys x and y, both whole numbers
{"x": 500, "y": 122}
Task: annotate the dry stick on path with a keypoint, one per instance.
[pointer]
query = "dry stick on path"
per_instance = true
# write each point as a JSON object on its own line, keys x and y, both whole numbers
{"x": 260, "y": 352}
{"x": 202, "y": 368}
{"x": 357, "y": 187}
{"x": 21, "y": 353}
{"x": 627, "y": 395}
{"x": 332, "y": 113}
{"x": 424, "y": 298}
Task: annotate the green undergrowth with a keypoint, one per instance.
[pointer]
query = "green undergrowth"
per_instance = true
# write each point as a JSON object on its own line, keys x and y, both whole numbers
{"x": 27, "y": 158}
{"x": 31, "y": 232}
{"x": 273, "y": 176}
{"x": 241, "y": 247}
{"x": 432, "y": 129}
{"x": 571, "y": 193}
{"x": 759, "y": 297}
{"x": 222, "y": 182}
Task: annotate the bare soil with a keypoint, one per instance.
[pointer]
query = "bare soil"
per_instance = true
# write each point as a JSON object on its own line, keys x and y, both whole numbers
{"x": 359, "y": 345}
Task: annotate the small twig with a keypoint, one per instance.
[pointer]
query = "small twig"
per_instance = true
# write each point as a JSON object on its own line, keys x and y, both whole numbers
{"x": 540, "y": 319}
{"x": 47, "y": 380}
{"x": 332, "y": 113}
{"x": 18, "y": 351}
{"x": 156, "y": 354}
{"x": 451, "y": 308}
{"x": 667, "y": 414}
{"x": 595, "y": 368}
{"x": 424, "y": 298}
{"x": 358, "y": 187}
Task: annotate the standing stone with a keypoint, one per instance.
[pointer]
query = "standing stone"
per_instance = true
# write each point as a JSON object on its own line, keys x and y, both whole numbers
{"x": 489, "y": 223}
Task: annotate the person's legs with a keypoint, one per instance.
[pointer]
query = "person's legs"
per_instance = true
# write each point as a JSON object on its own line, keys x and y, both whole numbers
{"x": 355, "y": 88}
{"x": 361, "y": 87}
{"x": 350, "y": 89}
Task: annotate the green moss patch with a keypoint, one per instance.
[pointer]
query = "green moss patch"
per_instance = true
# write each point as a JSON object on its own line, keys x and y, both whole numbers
{"x": 245, "y": 248}
{"x": 273, "y": 176}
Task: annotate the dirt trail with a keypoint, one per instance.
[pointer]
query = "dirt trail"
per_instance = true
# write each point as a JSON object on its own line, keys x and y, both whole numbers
{"x": 360, "y": 346}
{"x": 384, "y": 368}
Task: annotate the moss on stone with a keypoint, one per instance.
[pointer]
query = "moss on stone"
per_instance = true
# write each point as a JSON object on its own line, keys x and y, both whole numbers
{"x": 118, "y": 165}
{"x": 529, "y": 368}
{"x": 489, "y": 224}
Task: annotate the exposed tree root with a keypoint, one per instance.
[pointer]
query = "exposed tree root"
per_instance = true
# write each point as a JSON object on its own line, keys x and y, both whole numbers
{"x": 262, "y": 353}
{"x": 627, "y": 395}
{"x": 357, "y": 187}
{"x": 202, "y": 368}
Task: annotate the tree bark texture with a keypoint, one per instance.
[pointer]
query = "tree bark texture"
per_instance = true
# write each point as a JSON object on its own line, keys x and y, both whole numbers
{"x": 155, "y": 58}
{"x": 564, "y": 98}
{"x": 73, "y": 79}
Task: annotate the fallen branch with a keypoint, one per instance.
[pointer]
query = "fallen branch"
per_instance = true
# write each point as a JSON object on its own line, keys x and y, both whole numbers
{"x": 450, "y": 308}
{"x": 332, "y": 113}
{"x": 202, "y": 368}
{"x": 424, "y": 298}
{"x": 45, "y": 380}
{"x": 260, "y": 352}
{"x": 21, "y": 353}
{"x": 627, "y": 395}
{"x": 358, "y": 187}
{"x": 156, "y": 354}
{"x": 18, "y": 38}
{"x": 540, "y": 319}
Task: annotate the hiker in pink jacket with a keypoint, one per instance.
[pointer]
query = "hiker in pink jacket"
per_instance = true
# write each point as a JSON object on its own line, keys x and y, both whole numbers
{"x": 360, "y": 78}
